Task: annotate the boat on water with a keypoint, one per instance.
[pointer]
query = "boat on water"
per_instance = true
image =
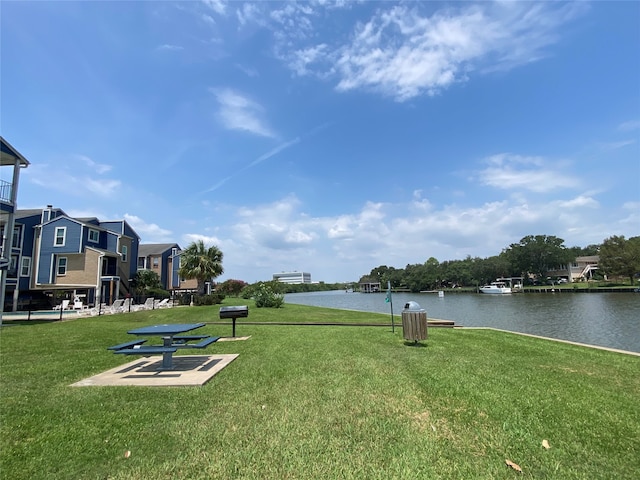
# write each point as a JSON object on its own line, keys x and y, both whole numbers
{"x": 495, "y": 287}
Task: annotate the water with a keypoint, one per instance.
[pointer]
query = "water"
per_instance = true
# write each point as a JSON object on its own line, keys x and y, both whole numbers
{"x": 604, "y": 319}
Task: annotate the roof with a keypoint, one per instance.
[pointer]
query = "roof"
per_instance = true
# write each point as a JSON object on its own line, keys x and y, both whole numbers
{"x": 144, "y": 250}
{"x": 9, "y": 155}
{"x": 30, "y": 212}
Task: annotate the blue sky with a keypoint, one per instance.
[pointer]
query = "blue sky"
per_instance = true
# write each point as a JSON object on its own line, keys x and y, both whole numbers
{"x": 329, "y": 137}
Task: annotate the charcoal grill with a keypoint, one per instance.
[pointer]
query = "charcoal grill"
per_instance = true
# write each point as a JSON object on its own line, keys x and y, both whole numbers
{"x": 239, "y": 311}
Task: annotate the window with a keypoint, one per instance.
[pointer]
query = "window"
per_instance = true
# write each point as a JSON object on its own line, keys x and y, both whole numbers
{"x": 25, "y": 267}
{"x": 62, "y": 266}
{"x": 141, "y": 264}
{"x": 156, "y": 262}
{"x": 61, "y": 233}
{"x": 125, "y": 252}
{"x": 13, "y": 267}
{"x": 16, "y": 237}
{"x": 94, "y": 235}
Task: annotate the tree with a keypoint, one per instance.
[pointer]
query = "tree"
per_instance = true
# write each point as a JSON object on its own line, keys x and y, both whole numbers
{"x": 538, "y": 254}
{"x": 620, "y": 257}
{"x": 202, "y": 263}
{"x": 231, "y": 287}
{"x": 145, "y": 280}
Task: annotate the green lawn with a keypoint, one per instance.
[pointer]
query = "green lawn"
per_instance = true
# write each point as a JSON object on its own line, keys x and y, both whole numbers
{"x": 318, "y": 402}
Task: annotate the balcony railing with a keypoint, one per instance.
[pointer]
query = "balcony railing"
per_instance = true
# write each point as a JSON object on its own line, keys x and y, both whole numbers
{"x": 5, "y": 191}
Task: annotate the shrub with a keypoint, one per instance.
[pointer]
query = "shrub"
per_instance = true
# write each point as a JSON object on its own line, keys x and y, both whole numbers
{"x": 157, "y": 293}
{"x": 211, "y": 299}
{"x": 198, "y": 300}
{"x": 264, "y": 296}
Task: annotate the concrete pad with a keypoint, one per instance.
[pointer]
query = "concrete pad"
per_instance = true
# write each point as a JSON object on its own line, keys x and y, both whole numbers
{"x": 233, "y": 339}
{"x": 188, "y": 370}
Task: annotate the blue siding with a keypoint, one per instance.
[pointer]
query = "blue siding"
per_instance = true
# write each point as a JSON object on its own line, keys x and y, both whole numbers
{"x": 116, "y": 226}
{"x": 175, "y": 266}
{"x": 28, "y": 239}
{"x": 133, "y": 251}
{"x": 102, "y": 238}
{"x": 133, "y": 257}
{"x": 47, "y": 249}
{"x": 112, "y": 241}
{"x": 123, "y": 228}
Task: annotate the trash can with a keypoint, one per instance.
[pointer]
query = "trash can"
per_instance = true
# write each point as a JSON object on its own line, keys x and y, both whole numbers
{"x": 414, "y": 322}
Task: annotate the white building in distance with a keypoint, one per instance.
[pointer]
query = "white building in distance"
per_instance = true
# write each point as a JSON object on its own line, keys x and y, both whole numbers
{"x": 292, "y": 277}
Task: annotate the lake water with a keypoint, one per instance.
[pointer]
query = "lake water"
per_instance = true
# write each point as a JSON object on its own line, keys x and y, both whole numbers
{"x": 604, "y": 319}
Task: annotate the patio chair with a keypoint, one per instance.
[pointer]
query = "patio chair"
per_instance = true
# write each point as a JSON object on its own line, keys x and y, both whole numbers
{"x": 147, "y": 305}
{"x": 116, "y": 307}
{"x": 78, "y": 305}
{"x": 64, "y": 305}
{"x": 163, "y": 303}
{"x": 127, "y": 305}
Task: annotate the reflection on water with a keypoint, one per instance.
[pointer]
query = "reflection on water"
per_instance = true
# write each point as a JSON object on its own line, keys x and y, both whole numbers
{"x": 604, "y": 319}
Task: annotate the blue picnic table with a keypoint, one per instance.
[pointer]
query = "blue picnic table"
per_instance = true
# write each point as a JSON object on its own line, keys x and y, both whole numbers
{"x": 171, "y": 341}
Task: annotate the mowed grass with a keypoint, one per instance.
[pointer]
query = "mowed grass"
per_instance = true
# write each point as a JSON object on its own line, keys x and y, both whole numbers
{"x": 318, "y": 402}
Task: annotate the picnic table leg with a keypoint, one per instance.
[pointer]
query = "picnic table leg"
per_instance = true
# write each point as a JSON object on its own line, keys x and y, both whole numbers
{"x": 167, "y": 357}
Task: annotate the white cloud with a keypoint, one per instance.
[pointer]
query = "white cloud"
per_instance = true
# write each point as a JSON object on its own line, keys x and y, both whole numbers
{"x": 238, "y": 112}
{"x": 275, "y": 151}
{"x": 149, "y": 232}
{"x": 250, "y": 13}
{"x": 281, "y": 235}
{"x": 403, "y": 52}
{"x": 195, "y": 237}
{"x": 515, "y": 172}
{"x": 218, "y": 6}
{"x": 629, "y": 126}
{"x": 103, "y": 188}
{"x": 99, "y": 168}
{"x": 632, "y": 219}
{"x": 77, "y": 175}
{"x": 617, "y": 145}
{"x": 169, "y": 48}
{"x": 248, "y": 71}
{"x": 579, "y": 202}
{"x": 301, "y": 59}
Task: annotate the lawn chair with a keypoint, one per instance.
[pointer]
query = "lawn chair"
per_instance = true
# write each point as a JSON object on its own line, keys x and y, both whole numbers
{"x": 64, "y": 305}
{"x": 127, "y": 306}
{"x": 147, "y": 305}
{"x": 116, "y": 307}
{"x": 78, "y": 305}
{"x": 163, "y": 303}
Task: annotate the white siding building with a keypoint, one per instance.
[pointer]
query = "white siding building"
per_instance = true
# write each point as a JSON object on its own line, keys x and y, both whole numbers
{"x": 292, "y": 277}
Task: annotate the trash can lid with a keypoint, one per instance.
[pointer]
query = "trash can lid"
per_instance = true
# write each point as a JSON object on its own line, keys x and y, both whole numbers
{"x": 412, "y": 306}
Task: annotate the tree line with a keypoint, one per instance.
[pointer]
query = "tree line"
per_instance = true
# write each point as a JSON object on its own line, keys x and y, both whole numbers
{"x": 532, "y": 258}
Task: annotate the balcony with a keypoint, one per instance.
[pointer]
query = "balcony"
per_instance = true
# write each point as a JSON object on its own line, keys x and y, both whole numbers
{"x": 5, "y": 191}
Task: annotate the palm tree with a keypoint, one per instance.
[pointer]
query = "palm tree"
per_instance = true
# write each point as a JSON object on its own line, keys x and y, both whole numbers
{"x": 202, "y": 263}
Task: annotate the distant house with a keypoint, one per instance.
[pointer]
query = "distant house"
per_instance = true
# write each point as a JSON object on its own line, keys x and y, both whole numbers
{"x": 581, "y": 269}
{"x": 370, "y": 287}
{"x": 94, "y": 259}
{"x": 58, "y": 255}
{"x": 164, "y": 259}
{"x": 158, "y": 257}
{"x": 292, "y": 277}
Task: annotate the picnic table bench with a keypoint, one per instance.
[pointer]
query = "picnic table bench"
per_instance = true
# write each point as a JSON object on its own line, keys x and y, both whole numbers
{"x": 146, "y": 350}
{"x": 127, "y": 344}
{"x": 171, "y": 341}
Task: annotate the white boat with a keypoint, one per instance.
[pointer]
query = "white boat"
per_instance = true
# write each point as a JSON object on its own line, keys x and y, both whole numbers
{"x": 495, "y": 287}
